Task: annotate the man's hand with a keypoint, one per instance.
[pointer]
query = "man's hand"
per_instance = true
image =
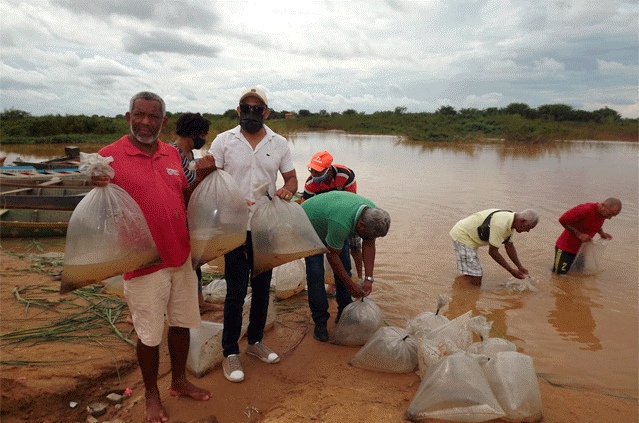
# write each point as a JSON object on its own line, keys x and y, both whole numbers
{"x": 204, "y": 167}
{"x": 284, "y": 194}
{"x": 356, "y": 290}
{"x": 368, "y": 288}
{"x": 100, "y": 181}
{"x": 605, "y": 235}
{"x": 519, "y": 274}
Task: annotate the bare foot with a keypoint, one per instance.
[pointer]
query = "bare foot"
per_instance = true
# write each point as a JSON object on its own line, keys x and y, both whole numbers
{"x": 187, "y": 389}
{"x": 155, "y": 413}
{"x": 206, "y": 307}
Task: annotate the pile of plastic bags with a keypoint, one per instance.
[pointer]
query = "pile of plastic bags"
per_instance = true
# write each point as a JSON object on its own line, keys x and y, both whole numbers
{"x": 462, "y": 381}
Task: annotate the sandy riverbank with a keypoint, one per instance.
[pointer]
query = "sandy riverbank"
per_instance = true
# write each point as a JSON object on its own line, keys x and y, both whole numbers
{"x": 313, "y": 381}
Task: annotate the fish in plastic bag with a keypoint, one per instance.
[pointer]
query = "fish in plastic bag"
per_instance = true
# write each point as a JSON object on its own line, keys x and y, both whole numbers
{"x": 390, "y": 349}
{"x": 513, "y": 380}
{"x": 454, "y": 389}
{"x": 281, "y": 232}
{"x": 217, "y": 217}
{"x": 359, "y": 321}
{"x": 487, "y": 346}
{"x": 107, "y": 233}
{"x": 289, "y": 279}
{"x": 589, "y": 258}
{"x": 424, "y": 323}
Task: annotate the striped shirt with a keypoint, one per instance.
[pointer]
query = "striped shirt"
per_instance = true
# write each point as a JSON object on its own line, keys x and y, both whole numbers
{"x": 344, "y": 180}
{"x": 190, "y": 174}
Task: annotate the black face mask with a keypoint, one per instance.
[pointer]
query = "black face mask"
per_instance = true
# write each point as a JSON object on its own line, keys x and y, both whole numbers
{"x": 198, "y": 142}
{"x": 251, "y": 123}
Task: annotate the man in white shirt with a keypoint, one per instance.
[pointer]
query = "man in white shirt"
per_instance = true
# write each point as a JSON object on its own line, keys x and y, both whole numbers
{"x": 252, "y": 154}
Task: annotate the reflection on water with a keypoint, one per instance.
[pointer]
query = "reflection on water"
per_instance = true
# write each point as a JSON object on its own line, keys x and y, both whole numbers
{"x": 572, "y": 317}
{"x": 580, "y": 331}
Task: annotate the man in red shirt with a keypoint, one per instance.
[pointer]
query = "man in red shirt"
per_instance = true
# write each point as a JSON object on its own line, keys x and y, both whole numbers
{"x": 581, "y": 223}
{"x": 151, "y": 172}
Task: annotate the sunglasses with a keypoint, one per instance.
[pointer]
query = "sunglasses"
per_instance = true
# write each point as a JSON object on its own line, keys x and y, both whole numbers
{"x": 256, "y": 110}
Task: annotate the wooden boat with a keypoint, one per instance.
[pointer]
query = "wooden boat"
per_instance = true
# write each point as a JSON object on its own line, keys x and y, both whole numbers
{"x": 31, "y": 177}
{"x": 7, "y": 184}
{"x": 41, "y": 197}
{"x": 70, "y": 160}
{"x": 24, "y": 223}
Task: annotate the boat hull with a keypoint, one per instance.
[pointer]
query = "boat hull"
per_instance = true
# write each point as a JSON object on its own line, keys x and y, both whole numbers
{"x": 23, "y": 223}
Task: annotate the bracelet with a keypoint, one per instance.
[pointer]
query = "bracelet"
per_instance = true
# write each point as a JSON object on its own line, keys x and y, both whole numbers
{"x": 369, "y": 278}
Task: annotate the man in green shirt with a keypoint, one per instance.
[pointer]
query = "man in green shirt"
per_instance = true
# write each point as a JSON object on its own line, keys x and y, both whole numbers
{"x": 335, "y": 216}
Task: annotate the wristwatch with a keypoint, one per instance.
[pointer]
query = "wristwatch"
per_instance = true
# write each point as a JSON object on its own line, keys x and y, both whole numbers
{"x": 369, "y": 278}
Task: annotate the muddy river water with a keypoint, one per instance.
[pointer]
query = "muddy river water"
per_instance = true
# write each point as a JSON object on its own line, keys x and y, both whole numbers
{"x": 581, "y": 331}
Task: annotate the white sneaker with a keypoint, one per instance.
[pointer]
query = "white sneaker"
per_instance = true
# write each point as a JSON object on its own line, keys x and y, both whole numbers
{"x": 262, "y": 352}
{"x": 233, "y": 368}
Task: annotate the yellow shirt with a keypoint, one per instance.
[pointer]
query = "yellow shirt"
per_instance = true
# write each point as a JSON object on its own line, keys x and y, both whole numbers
{"x": 465, "y": 231}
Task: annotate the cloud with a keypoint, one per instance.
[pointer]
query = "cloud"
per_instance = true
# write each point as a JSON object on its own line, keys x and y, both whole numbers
{"x": 171, "y": 14}
{"x": 165, "y": 42}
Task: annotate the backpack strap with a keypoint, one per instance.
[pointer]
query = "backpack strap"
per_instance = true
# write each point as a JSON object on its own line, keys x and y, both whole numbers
{"x": 484, "y": 229}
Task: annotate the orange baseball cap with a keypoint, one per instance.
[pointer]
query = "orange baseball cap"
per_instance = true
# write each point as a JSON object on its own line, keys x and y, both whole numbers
{"x": 321, "y": 161}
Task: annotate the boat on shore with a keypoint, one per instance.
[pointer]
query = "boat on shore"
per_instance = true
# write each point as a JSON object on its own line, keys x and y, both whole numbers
{"x": 25, "y": 223}
{"x": 41, "y": 197}
{"x": 43, "y": 181}
{"x": 70, "y": 160}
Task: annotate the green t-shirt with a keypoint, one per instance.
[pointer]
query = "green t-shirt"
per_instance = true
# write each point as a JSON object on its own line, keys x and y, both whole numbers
{"x": 334, "y": 215}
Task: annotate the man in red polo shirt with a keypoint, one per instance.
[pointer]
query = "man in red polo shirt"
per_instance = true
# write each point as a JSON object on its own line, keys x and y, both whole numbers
{"x": 581, "y": 223}
{"x": 151, "y": 172}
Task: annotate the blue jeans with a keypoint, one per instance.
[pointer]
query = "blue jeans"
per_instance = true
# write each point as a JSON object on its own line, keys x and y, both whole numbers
{"x": 317, "y": 301}
{"x": 238, "y": 266}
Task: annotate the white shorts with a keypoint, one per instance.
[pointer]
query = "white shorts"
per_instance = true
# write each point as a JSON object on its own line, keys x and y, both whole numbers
{"x": 170, "y": 292}
{"x": 467, "y": 260}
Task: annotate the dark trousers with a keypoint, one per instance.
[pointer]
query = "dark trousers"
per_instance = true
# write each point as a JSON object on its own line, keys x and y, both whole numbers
{"x": 317, "y": 301}
{"x": 238, "y": 266}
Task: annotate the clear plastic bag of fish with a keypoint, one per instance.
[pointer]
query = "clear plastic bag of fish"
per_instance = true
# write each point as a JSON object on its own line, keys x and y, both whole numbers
{"x": 513, "y": 380}
{"x": 215, "y": 291}
{"x": 217, "y": 217}
{"x": 424, "y": 323}
{"x": 589, "y": 258}
{"x": 455, "y": 334}
{"x": 289, "y": 279}
{"x": 205, "y": 348}
{"x": 487, "y": 346}
{"x": 281, "y": 233}
{"x": 390, "y": 349}
{"x": 429, "y": 352}
{"x": 454, "y": 389}
{"x": 359, "y": 321}
{"x": 520, "y": 285}
{"x": 107, "y": 233}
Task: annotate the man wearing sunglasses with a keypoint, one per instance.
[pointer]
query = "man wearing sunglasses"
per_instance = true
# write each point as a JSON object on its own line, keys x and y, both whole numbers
{"x": 581, "y": 224}
{"x": 252, "y": 154}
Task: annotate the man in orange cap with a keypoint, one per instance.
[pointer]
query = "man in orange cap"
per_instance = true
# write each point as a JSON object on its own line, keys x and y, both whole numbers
{"x": 326, "y": 176}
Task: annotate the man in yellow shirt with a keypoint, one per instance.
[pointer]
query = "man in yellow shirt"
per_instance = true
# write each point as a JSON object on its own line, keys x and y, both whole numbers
{"x": 466, "y": 240}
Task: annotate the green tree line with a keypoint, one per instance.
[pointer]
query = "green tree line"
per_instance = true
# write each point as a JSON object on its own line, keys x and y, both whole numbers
{"x": 516, "y": 122}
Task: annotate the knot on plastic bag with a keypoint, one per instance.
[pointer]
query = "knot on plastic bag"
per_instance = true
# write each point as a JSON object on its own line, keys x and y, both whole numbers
{"x": 260, "y": 189}
{"x": 93, "y": 164}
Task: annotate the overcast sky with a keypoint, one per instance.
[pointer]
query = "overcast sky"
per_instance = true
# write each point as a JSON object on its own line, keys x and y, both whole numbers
{"x": 90, "y": 56}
